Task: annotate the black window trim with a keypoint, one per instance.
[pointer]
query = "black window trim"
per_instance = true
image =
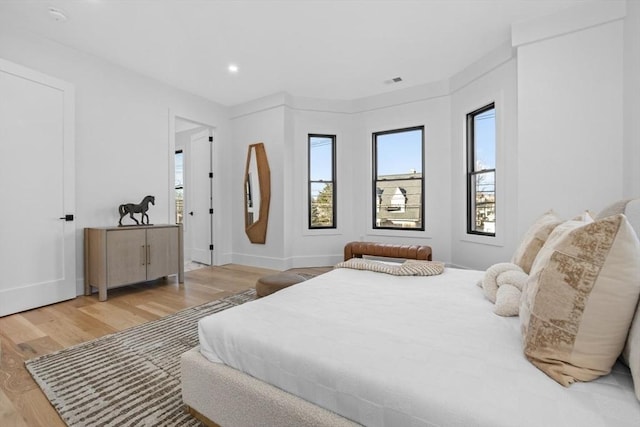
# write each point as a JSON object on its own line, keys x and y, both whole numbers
{"x": 333, "y": 182}
{"x": 375, "y": 179}
{"x": 471, "y": 172}
{"x": 178, "y": 187}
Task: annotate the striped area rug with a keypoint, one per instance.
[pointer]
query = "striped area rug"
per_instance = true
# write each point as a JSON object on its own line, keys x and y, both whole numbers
{"x": 129, "y": 378}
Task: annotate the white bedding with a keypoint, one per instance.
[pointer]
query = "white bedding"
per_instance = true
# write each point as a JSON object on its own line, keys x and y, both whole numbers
{"x": 406, "y": 351}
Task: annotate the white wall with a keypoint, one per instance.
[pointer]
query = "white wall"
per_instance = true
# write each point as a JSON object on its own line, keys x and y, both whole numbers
{"x": 499, "y": 86}
{"x": 284, "y": 123}
{"x": 570, "y": 146}
{"x": 632, "y": 100}
{"x": 122, "y": 130}
{"x": 322, "y": 247}
{"x": 261, "y": 121}
{"x": 559, "y": 134}
{"x": 433, "y": 113}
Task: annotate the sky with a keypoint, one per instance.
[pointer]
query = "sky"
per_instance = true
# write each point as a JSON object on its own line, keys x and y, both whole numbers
{"x": 485, "y": 143}
{"x": 400, "y": 152}
{"x": 179, "y": 172}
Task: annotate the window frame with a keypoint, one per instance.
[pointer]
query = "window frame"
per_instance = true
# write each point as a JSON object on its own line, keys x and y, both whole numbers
{"x": 333, "y": 183}
{"x": 179, "y": 187}
{"x": 472, "y": 172}
{"x": 376, "y": 197}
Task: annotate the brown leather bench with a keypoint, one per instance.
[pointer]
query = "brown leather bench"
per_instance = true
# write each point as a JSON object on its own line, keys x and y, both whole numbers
{"x": 358, "y": 249}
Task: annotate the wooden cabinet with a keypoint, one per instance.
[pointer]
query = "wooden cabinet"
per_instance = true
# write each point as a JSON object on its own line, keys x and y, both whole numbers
{"x": 117, "y": 256}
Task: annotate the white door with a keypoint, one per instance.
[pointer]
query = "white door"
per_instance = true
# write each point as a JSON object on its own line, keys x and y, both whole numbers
{"x": 37, "y": 247}
{"x": 200, "y": 218}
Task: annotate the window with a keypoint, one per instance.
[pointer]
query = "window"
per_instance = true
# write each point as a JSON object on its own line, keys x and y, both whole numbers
{"x": 398, "y": 184}
{"x": 322, "y": 181}
{"x": 481, "y": 171}
{"x": 179, "y": 186}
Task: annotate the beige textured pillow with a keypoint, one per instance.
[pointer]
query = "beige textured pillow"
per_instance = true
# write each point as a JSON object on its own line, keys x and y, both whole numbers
{"x": 580, "y": 299}
{"x": 631, "y": 353}
{"x": 533, "y": 240}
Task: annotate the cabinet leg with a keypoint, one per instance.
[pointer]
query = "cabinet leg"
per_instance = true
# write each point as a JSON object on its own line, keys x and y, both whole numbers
{"x": 102, "y": 293}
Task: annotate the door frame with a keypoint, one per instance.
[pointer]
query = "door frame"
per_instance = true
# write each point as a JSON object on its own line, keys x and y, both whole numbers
{"x": 173, "y": 116}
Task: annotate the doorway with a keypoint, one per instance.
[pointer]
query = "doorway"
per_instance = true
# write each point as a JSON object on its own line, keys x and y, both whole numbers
{"x": 193, "y": 190}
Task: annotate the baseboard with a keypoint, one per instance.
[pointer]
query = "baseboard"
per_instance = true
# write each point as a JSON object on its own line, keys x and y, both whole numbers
{"x": 259, "y": 261}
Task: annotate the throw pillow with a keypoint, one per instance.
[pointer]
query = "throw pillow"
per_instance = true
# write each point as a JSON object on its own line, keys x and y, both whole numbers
{"x": 631, "y": 353}
{"x": 533, "y": 240}
{"x": 508, "y": 301}
{"x": 490, "y": 280}
{"x": 410, "y": 267}
{"x": 580, "y": 299}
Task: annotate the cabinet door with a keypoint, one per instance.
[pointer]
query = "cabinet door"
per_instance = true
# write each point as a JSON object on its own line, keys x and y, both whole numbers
{"x": 162, "y": 252}
{"x": 126, "y": 257}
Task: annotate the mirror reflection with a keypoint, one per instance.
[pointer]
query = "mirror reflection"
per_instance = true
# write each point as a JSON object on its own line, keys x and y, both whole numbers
{"x": 252, "y": 189}
{"x": 257, "y": 193}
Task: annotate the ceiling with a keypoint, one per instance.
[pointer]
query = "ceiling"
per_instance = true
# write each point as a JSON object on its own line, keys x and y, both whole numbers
{"x": 328, "y": 49}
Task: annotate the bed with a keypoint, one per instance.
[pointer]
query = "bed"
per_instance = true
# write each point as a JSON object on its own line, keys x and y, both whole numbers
{"x": 354, "y": 347}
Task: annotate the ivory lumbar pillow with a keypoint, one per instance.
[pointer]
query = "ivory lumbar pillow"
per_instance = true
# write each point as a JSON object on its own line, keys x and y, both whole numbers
{"x": 533, "y": 240}
{"x": 580, "y": 299}
{"x": 409, "y": 267}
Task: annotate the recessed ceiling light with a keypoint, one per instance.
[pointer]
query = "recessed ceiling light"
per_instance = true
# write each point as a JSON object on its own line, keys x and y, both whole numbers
{"x": 233, "y": 68}
{"x": 57, "y": 14}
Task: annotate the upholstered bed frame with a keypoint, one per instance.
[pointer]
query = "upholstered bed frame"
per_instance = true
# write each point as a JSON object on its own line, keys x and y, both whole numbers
{"x": 219, "y": 395}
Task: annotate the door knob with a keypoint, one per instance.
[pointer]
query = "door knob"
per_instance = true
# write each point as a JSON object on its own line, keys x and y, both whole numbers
{"x": 191, "y": 213}
{"x": 67, "y": 217}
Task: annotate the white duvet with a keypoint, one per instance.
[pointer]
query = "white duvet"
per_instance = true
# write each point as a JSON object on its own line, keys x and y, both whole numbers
{"x": 385, "y": 350}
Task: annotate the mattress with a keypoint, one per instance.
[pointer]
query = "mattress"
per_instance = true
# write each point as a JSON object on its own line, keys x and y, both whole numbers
{"x": 406, "y": 351}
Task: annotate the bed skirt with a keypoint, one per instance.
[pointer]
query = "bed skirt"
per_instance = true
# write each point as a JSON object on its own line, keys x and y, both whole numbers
{"x": 231, "y": 398}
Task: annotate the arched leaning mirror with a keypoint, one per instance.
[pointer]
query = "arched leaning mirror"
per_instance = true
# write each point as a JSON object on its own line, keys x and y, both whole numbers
{"x": 257, "y": 194}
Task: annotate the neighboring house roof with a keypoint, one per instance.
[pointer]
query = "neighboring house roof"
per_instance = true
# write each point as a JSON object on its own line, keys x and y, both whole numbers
{"x": 389, "y": 209}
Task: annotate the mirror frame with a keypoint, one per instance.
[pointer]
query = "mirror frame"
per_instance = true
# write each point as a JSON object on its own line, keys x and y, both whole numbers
{"x": 257, "y": 231}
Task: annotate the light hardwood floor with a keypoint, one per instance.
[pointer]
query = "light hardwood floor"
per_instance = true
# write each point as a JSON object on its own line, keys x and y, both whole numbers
{"x": 46, "y": 329}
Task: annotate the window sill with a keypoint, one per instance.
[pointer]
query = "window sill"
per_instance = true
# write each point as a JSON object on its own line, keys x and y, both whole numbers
{"x": 322, "y": 232}
{"x": 483, "y": 240}
{"x": 399, "y": 233}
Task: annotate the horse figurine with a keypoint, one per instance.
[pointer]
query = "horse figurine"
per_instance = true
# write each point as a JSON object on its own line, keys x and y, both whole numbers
{"x": 141, "y": 208}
